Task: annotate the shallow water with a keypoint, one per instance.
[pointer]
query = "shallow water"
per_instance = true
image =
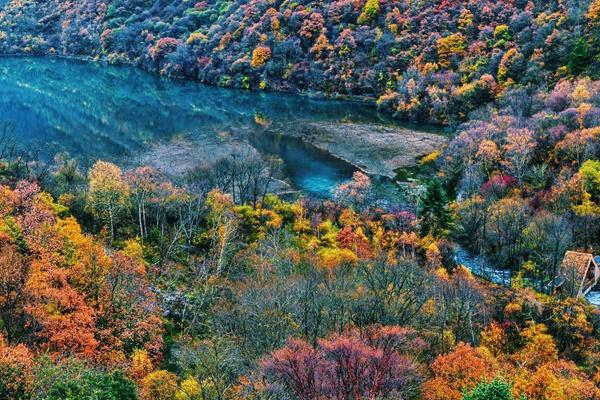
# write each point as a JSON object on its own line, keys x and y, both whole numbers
{"x": 96, "y": 111}
{"x": 484, "y": 269}
{"x": 594, "y": 298}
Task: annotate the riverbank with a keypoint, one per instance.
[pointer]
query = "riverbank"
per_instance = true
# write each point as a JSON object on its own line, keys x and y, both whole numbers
{"x": 373, "y": 148}
{"x": 181, "y": 156}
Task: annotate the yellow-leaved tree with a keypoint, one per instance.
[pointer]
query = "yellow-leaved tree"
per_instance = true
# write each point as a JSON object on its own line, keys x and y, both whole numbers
{"x": 108, "y": 192}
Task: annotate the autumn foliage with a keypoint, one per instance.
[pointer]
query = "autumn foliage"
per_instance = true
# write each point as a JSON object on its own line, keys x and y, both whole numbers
{"x": 63, "y": 294}
{"x": 126, "y": 284}
{"x": 377, "y": 363}
{"x": 260, "y": 56}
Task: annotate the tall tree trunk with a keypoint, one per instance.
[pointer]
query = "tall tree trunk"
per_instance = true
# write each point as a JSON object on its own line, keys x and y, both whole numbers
{"x": 140, "y": 221}
{"x": 144, "y": 223}
{"x": 112, "y": 225}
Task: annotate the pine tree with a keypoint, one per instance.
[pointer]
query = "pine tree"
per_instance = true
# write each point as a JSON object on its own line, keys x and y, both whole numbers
{"x": 593, "y": 35}
{"x": 435, "y": 217}
{"x": 579, "y": 58}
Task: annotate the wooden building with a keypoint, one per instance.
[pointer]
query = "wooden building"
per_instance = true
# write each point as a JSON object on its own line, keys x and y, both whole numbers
{"x": 579, "y": 273}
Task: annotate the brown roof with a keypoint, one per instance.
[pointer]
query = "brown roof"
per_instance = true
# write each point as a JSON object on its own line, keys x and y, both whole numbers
{"x": 577, "y": 260}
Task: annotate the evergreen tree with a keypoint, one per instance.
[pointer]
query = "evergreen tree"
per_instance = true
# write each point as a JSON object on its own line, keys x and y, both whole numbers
{"x": 495, "y": 390}
{"x": 593, "y": 34}
{"x": 579, "y": 58}
{"x": 434, "y": 216}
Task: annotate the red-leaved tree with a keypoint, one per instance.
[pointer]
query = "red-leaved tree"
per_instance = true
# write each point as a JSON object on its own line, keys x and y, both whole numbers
{"x": 375, "y": 363}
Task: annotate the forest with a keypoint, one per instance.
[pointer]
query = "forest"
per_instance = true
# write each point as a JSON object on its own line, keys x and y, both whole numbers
{"x": 124, "y": 283}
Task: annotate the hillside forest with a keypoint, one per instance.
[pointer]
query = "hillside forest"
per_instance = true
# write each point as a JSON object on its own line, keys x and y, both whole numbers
{"x": 124, "y": 283}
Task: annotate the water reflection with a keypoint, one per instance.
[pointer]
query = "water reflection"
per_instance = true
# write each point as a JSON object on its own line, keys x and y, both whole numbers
{"x": 98, "y": 111}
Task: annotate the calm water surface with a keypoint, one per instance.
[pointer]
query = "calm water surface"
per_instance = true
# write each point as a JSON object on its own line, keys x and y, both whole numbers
{"x": 96, "y": 111}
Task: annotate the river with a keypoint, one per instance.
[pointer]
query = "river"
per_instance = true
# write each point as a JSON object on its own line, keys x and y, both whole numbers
{"x": 95, "y": 111}
{"x": 484, "y": 269}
